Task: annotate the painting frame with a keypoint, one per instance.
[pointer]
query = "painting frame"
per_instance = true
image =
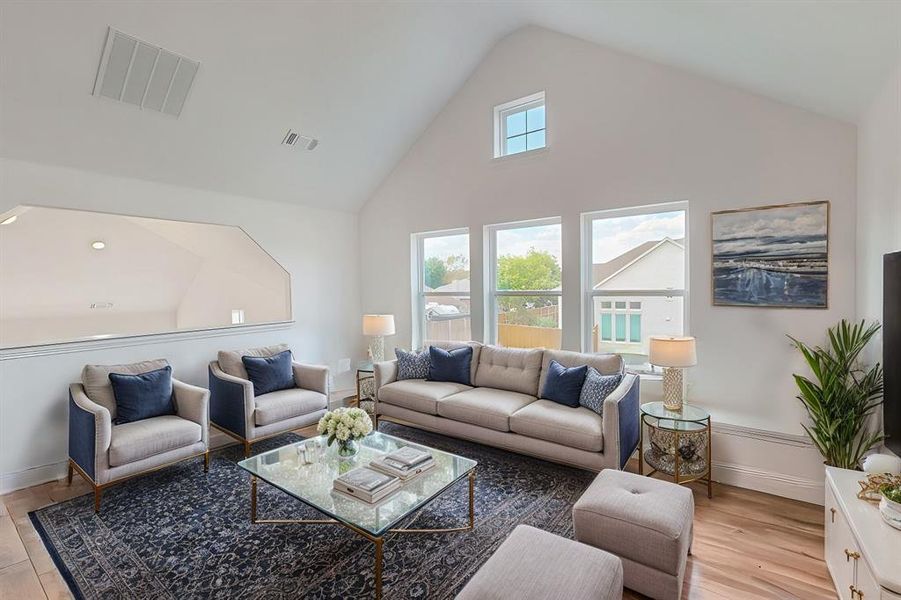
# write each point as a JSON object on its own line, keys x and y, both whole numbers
{"x": 719, "y": 301}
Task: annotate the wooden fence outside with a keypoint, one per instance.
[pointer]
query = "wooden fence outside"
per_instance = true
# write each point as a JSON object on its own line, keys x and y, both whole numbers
{"x": 525, "y": 336}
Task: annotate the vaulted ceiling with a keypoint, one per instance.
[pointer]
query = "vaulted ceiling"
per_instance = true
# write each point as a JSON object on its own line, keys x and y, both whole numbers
{"x": 366, "y": 78}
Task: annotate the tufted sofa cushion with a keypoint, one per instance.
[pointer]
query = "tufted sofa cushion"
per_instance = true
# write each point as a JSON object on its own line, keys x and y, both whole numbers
{"x": 513, "y": 369}
{"x": 606, "y": 364}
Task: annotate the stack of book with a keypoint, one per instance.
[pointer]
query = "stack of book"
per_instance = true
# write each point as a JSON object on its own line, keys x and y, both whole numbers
{"x": 404, "y": 463}
{"x": 366, "y": 484}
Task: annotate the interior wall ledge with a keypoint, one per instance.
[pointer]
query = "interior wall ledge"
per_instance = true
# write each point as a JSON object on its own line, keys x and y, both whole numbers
{"x": 137, "y": 340}
{"x": 764, "y": 435}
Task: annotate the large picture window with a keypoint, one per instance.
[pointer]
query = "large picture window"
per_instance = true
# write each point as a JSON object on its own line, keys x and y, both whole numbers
{"x": 634, "y": 279}
{"x": 441, "y": 283}
{"x": 525, "y": 278}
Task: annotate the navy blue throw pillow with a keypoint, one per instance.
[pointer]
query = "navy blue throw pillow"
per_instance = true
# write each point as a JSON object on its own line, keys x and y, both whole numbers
{"x": 563, "y": 385}
{"x": 450, "y": 365}
{"x": 142, "y": 396}
{"x": 270, "y": 373}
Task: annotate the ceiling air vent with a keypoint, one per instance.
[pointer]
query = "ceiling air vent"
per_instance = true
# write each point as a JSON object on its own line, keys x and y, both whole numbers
{"x": 139, "y": 73}
{"x": 292, "y": 138}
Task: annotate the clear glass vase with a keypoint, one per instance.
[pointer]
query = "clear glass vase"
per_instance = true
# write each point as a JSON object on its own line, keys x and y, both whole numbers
{"x": 347, "y": 448}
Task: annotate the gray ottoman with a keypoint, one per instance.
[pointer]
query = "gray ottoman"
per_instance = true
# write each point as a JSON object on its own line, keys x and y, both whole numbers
{"x": 644, "y": 521}
{"x": 532, "y": 563}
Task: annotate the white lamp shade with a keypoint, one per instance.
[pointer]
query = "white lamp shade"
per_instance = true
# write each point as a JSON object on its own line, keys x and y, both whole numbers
{"x": 378, "y": 324}
{"x": 676, "y": 352}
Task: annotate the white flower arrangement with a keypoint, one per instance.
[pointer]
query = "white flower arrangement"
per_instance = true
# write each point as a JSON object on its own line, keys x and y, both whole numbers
{"x": 344, "y": 424}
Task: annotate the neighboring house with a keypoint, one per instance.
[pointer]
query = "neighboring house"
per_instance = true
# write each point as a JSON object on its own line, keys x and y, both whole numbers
{"x": 624, "y": 322}
{"x": 447, "y": 317}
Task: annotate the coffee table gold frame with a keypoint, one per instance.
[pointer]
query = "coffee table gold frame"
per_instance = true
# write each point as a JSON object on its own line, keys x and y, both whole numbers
{"x": 375, "y": 539}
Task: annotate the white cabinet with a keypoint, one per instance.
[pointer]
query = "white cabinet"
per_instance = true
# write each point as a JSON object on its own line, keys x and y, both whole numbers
{"x": 863, "y": 552}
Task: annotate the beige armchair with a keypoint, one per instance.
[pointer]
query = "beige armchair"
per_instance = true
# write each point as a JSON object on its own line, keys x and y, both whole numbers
{"x": 106, "y": 454}
{"x": 236, "y": 411}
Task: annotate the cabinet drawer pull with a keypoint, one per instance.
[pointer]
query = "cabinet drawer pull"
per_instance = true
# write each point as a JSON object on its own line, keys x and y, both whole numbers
{"x": 832, "y": 510}
{"x": 849, "y": 555}
{"x": 856, "y": 593}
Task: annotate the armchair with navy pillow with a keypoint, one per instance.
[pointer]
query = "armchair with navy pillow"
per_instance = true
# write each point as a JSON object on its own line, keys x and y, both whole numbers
{"x": 125, "y": 420}
{"x": 261, "y": 392}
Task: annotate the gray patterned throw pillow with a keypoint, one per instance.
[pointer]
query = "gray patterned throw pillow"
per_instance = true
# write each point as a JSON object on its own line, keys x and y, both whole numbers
{"x": 412, "y": 365}
{"x": 596, "y": 389}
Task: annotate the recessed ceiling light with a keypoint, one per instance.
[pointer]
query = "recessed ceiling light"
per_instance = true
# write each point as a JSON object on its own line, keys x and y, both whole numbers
{"x": 9, "y": 220}
{"x": 98, "y": 245}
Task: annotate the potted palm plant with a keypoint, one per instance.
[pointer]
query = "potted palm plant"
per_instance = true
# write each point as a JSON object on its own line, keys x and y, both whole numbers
{"x": 842, "y": 394}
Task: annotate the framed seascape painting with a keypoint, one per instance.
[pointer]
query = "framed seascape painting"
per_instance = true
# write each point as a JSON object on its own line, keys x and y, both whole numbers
{"x": 771, "y": 256}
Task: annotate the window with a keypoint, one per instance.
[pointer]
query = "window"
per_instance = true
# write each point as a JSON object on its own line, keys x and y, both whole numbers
{"x": 634, "y": 279}
{"x": 441, "y": 304}
{"x": 525, "y": 276}
{"x": 519, "y": 126}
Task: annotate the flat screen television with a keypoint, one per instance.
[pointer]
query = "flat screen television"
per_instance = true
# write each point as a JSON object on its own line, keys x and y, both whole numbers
{"x": 891, "y": 349}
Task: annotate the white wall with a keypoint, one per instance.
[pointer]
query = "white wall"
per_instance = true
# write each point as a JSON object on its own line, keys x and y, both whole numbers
{"x": 878, "y": 196}
{"x": 626, "y": 132}
{"x": 878, "y": 199}
{"x": 318, "y": 247}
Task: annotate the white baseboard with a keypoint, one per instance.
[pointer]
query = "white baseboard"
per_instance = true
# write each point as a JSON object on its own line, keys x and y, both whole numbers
{"x": 778, "y": 463}
{"x": 10, "y": 482}
{"x": 770, "y": 482}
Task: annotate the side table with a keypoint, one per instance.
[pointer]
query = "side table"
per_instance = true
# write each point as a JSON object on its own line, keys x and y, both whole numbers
{"x": 365, "y": 379}
{"x": 680, "y": 443}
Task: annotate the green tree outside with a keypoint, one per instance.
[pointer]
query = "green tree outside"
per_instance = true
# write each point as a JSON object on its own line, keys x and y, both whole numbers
{"x": 434, "y": 272}
{"x": 537, "y": 270}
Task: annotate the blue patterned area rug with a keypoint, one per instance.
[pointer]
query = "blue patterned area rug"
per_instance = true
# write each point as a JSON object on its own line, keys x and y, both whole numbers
{"x": 180, "y": 533}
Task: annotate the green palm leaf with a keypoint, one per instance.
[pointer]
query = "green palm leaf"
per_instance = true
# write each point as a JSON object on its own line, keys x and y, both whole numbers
{"x": 842, "y": 394}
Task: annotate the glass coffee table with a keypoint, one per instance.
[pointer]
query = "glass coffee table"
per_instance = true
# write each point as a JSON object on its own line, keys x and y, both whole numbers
{"x": 286, "y": 469}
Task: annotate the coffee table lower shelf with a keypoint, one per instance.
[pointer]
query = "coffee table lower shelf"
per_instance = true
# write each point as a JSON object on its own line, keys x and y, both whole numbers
{"x": 378, "y": 540}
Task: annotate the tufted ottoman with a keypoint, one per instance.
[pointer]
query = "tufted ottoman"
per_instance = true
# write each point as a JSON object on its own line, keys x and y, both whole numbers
{"x": 532, "y": 563}
{"x": 646, "y": 522}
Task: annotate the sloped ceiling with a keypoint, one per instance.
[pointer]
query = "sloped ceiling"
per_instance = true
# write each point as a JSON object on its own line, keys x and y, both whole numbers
{"x": 366, "y": 78}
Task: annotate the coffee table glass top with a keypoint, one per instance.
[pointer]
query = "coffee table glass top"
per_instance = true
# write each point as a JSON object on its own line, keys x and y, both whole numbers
{"x": 689, "y": 412}
{"x": 312, "y": 483}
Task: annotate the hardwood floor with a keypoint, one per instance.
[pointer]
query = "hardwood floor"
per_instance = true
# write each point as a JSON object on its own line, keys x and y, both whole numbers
{"x": 747, "y": 545}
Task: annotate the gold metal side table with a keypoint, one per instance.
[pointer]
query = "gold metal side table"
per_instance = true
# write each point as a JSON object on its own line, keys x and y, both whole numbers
{"x": 681, "y": 444}
{"x": 365, "y": 385}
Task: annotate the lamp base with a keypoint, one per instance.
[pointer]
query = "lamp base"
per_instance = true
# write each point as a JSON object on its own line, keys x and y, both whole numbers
{"x": 377, "y": 349}
{"x": 672, "y": 388}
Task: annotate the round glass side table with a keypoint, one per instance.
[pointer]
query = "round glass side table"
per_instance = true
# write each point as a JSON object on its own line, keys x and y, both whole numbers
{"x": 680, "y": 443}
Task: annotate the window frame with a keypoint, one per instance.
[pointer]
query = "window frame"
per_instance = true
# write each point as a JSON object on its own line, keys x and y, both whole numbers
{"x": 502, "y": 111}
{"x": 589, "y": 293}
{"x": 417, "y": 266}
{"x": 491, "y": 291}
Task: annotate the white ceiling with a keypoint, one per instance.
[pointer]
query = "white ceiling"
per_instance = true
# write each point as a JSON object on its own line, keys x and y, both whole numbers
{"x": 366, "y": 78}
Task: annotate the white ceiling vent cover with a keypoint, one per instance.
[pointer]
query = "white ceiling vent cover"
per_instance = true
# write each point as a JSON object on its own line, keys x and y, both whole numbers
{"x": 139, "y": 73}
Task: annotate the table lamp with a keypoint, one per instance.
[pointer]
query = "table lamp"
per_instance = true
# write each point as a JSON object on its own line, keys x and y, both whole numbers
{"x": 673, "y": 354}
{"x": 377, "y": 327}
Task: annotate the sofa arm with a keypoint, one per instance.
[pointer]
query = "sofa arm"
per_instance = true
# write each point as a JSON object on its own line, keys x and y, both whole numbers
{"x": 231, "y": 401}
{"x": 384, "y": 373}
{"x": 311, "y": 377}
{"x": 621, "y": 422}
{"x": 192, "y": 403}
{"x": 90, "y": 431}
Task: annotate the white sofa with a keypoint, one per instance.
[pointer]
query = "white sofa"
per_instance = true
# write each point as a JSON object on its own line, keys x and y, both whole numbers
{"x": 502, "y": 407}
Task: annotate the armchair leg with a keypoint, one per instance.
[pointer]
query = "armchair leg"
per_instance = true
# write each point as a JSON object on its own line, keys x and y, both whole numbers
{"x": 98, "y": 491}
{"x": 206, "y": 461}
{"x": 69, "y": 475}
{"x": 246, "y": 449}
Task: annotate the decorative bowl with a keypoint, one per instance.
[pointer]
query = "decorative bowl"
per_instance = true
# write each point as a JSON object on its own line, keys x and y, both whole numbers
{"x": 891, "y": 512}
